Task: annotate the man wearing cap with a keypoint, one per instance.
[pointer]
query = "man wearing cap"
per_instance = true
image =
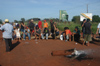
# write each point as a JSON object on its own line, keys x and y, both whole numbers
{"x": 7, "y": 34}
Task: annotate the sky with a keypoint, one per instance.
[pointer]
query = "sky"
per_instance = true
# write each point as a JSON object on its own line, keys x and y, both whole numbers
{"x": 17, "y": 9}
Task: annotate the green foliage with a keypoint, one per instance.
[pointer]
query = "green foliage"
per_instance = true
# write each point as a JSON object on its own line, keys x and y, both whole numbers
{"x": 15, "y": 21}
{"x": 0, "y": 21}
{"x": 72, "y": 26}
{"x": 96, "y": 18}
{"x": 36, "y": 19}
{"x": 23, "y": 19}
{"x": 76, "y": 19}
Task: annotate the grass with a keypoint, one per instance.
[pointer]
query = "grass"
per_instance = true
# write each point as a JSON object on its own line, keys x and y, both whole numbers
{"x": 72, "y": 26}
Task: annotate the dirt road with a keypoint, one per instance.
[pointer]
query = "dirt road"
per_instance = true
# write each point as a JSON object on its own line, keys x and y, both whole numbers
{"x": 38, "y": 53}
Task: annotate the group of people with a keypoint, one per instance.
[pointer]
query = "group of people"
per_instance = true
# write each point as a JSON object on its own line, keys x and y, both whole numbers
{"x": 75, "y": 35}
{"x": 20, "y": 31}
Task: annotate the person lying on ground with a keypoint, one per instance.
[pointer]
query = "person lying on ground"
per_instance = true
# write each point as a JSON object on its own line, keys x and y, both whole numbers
{"x": 45, "y": 33}
{"x": 38, "y": 33}
{"x": 26, "y": 33}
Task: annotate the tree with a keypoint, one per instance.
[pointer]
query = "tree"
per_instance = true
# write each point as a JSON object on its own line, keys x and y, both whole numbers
{"x": 15, "y": 21}
{"x": 0, "y": 21}
{"x": 76, "y": 19}
{"x": 96, "y": 18}
{"x": 23, "y": 19}
{"x": 28, "y": 20}
{"x": 36, "y": 19}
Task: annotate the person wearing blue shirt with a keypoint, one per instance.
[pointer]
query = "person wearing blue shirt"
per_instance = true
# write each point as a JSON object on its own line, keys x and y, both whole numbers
{"x": 7, "y": 34}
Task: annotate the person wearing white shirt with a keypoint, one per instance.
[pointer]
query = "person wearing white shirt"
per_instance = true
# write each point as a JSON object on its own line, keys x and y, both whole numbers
{"x": 17, "y": 33}
{"x": 7, "y": 34}
{"x": 98, "y": 30}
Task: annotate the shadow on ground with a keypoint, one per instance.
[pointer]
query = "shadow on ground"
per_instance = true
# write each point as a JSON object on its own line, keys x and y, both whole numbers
{"x": 14, "y": 45}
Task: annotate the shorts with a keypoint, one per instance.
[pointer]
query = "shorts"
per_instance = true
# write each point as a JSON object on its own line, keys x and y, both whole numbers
{"x": 88, "y": 37}
{"x": 22, "y": 30}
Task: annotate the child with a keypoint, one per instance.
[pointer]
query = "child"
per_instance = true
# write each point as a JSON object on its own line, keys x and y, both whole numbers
{"x": 38, "y": 32}
{"x": 68, "y": 34}
{"x": 17, "y": 33}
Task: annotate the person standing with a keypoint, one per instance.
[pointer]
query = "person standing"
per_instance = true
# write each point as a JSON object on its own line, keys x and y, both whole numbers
{"x": 52, "y": 26}
{"x": 40, "y": 24}
{"x": 98, "y": 30}
{"x": 83, "y": 28}
{"x": 17, "y": 33}
{"x": 7, "y": 34}
{"x": 87, "y": 26}
{"x": 45, "y": 26}
{"x": 32, "y": 27}
{"x": 22, "y": 28}
{"x": 52, "y": 29}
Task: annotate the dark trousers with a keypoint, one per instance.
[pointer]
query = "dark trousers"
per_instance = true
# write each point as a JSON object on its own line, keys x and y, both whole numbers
{"x": 8, "y": 43}
{"x": 52, "y": 30}
{"x": 76, "y": 37}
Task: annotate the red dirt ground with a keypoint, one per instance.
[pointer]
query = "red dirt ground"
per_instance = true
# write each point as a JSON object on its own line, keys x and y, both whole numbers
{"x": 38, "y": 53}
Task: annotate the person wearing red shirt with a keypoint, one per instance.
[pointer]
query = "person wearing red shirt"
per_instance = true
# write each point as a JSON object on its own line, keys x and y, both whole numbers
{"x": 40, "y": 24}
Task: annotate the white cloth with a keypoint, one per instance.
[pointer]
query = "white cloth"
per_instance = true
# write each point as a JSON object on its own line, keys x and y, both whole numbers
{"x": 17, "y": 31}
{"x": 61, "y": 37}
{"x": 98, "y": 27}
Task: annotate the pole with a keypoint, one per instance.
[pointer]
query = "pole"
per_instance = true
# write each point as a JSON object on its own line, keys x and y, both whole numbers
{"x": 87, "y": 8}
